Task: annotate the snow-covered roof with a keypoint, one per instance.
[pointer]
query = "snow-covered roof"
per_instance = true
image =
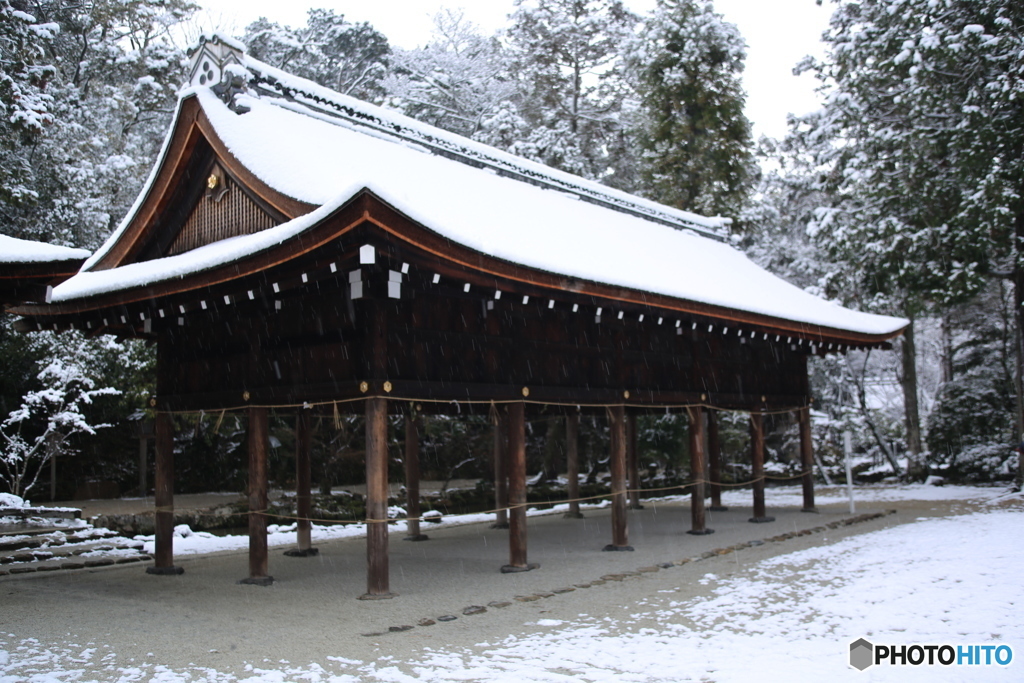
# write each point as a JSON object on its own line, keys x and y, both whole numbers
{"x": 323, "y": 148}
{"x": 14, "y": 250}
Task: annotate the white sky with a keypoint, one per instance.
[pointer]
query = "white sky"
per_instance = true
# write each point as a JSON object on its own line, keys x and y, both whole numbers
{"x": 778, "y": 32}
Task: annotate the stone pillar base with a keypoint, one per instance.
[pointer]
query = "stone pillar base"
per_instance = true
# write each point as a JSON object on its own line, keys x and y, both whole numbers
{"x": 378, "y": 596}
{"x": 257, "y": 581}
{"x": 417, "y": 537}
{"x": 165, "y": 571}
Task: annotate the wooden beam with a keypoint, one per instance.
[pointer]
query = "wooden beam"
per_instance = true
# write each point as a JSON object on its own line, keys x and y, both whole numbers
{"x": 303, "y": 486}
{"x": 412, "y": 475}
{"x": 143, "y": 458}
{"x": 572, "y": 456}
{"x": 632, "y": 458}
{"x": 757, "y": 467}
{"x": 714, "y": 462}
{"x": 259, "y": 437}
{"x": 500, "y": 470}
{"x": 697, "y": 474}
{"x": 517, "y": 491}
{"x": 377, "y": 570}
{"x": 617, "y": 464}
{"x": 807, "y": 458}
{"x": 163, "y": 495}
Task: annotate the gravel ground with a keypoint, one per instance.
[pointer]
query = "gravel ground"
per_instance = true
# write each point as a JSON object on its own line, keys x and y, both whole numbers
{"x": 204, "y": 618}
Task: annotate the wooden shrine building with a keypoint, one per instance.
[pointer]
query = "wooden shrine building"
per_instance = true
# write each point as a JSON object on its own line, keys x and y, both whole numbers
{"x": 29, "y": 270}
{"x": 298, "y": 250}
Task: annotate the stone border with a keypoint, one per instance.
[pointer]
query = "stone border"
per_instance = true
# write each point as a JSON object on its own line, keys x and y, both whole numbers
{"x": 639, "y": 573}
{"x": 70, "y": 566}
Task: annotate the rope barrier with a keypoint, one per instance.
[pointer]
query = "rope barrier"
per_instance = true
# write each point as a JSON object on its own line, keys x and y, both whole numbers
{"x": 492, "y": 402}
{"x": 268, "y": 513}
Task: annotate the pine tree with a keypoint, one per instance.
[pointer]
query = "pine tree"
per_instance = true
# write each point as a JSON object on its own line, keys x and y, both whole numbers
{"x": 696, "y": 141}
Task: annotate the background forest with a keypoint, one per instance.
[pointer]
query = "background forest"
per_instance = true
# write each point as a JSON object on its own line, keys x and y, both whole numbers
{"x": 901, "y": 195}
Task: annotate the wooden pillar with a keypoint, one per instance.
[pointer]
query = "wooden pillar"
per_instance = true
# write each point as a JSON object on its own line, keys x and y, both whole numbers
{"x": 377, "y": 571}
{"x": 757, "y": 462}
{"x": 517, "y": 490}
{"x": 258, "y": 484}
{"x": 412, "y": 476}
{"x": 714, "y": 462}
{"x": 500, "y": 471}
{"x": 632, "y": 458}
{"x": 617, "y": 463}
{"x": 164, "y": 498}
{"x": 807, "y": 458}
{"x": 303, "y": 486}
{"x": 697, "y": 474}
{"x": 143, "y": 475}
{"x": 572, "y": 457}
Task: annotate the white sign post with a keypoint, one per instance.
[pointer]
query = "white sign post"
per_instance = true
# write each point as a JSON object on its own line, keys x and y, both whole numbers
{"x": 847, "y": 449}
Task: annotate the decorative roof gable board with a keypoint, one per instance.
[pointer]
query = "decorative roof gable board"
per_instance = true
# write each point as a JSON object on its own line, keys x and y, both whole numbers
{"x": 224, "y": 210}
{"x": 175, "y": 188}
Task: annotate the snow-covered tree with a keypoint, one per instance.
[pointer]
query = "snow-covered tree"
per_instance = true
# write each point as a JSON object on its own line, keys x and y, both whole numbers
{"x": 24, "y": 103}
{"x": 458, "y": 82}
{"x": 775, "y": 222}
{"x": 970, "y": 431}
{"x": 696, "y": 140}
{"x": 567, "y": 58}
{"x": 330, "y": 50}
{"x": 52, "y": 413}
{"x": 115, "y": 73}
{"x": 921, "y": 147}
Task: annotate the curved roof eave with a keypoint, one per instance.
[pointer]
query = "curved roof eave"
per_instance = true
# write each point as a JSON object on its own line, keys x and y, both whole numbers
{"x": 234, "y": 259}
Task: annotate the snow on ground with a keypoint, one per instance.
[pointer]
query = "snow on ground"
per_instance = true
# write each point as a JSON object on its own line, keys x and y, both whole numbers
{"x": 792, "y": 496}
{"x": 188, "y": 542}
{"x": 791, "y": 617}
{"x": 788, "y": 618}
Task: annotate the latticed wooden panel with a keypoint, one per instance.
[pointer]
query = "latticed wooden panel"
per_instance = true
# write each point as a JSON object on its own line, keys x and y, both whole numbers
{"x": 212, "y": 220}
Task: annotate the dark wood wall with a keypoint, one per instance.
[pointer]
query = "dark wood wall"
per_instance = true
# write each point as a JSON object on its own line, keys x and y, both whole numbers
{"x": 441, "y": 342}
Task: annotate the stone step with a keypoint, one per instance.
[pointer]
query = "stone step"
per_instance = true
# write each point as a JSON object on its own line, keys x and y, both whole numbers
{"x": 37, "y": 554}
{"x": 26, "y": 530}
{"x": 56, "y": 564}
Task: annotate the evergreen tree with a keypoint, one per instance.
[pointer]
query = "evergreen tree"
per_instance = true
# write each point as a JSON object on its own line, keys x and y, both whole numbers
{"x": 24, "y": 103}
{"x": 921, "y": 147}
{"x": 696, "y": 141}
{"x": 970, "y": 430}
{"x": 349, "y": 58}
{"x": 571, "y": 97}
{"x": 111, "y": 92}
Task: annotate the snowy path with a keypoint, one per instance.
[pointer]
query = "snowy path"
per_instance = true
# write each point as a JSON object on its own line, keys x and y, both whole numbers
{"x": 790, "y": 617}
